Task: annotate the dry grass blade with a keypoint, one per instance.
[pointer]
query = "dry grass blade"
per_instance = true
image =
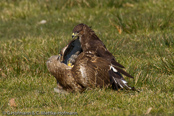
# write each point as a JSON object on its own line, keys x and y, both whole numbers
{"x": 148, "y": 110}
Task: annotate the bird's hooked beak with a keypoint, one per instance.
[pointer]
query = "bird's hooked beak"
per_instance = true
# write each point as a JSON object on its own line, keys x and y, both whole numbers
{"x": 74, "y": 35}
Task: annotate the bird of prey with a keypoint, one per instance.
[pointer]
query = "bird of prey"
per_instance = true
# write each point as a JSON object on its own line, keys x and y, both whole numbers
{"x": 87, "y": 70}
{"x": 91, "y": 43}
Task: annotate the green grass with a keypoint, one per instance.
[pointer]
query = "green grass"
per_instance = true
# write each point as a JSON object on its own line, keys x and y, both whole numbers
{"x": 145, "y": 46}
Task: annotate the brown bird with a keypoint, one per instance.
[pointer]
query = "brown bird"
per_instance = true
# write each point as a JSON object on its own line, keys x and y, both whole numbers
{"x": 91, "y": 43}
{"x": 88, "y": 70}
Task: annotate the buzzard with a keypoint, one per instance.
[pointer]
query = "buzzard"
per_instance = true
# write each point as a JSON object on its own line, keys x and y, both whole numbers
{"x": 76, "y": 70}
{"x": 91, "y": 43}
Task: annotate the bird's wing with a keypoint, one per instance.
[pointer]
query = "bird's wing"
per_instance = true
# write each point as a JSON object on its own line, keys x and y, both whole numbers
{"x": 71, "y": 49}
{"x": 103, "y": 52}
{"x": 91, "y": 71}
{"x": 116, "y": 79}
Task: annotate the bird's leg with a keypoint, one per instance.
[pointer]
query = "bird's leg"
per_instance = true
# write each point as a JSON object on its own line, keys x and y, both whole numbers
{"x": 70, "y": 64}
{"x": 72, "y": 59}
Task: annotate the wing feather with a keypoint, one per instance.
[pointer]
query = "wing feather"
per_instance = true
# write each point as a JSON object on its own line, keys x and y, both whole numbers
{"x": 123, "y": 72}
{"x": 117, "y": 81}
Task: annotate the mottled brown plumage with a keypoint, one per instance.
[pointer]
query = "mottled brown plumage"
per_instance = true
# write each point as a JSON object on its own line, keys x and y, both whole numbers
{"x": 63, "y": 75}
{"x": 88, "y": 71}
{"x": 91, "y": 43}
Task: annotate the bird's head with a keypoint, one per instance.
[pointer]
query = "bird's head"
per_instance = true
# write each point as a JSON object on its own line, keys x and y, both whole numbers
{"x": 79, "y": 30}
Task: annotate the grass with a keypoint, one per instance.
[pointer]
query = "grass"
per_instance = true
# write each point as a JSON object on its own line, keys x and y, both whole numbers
{"x": 138, "y": 33}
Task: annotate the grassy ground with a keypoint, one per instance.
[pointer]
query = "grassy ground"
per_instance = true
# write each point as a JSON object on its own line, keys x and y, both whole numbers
{"x": 139, "y": 33}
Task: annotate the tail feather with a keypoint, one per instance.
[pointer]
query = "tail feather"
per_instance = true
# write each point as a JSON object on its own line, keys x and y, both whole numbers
{"x": 117, "y": 81}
